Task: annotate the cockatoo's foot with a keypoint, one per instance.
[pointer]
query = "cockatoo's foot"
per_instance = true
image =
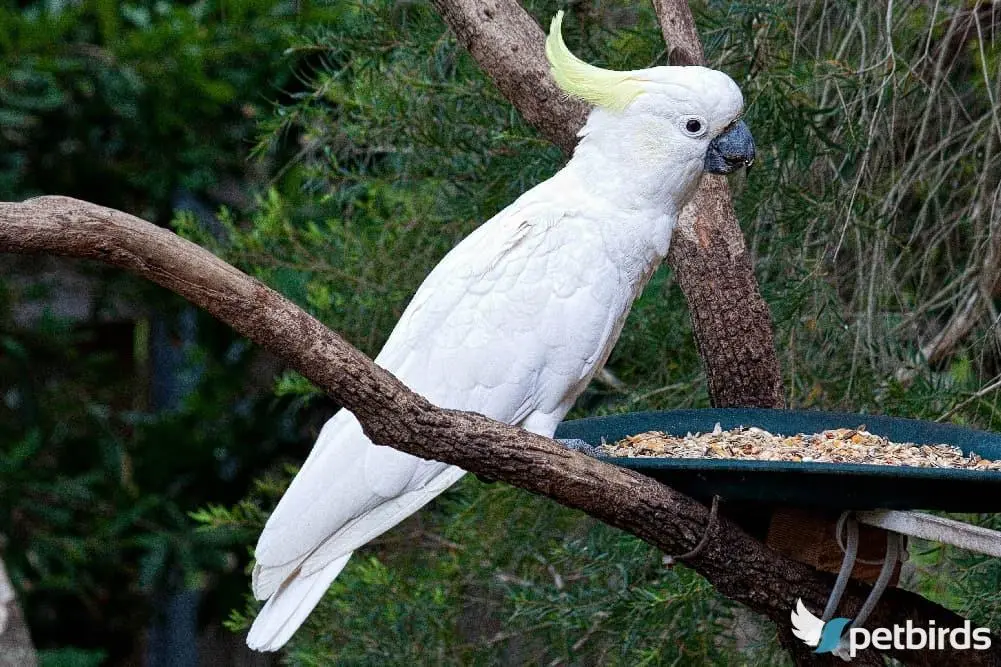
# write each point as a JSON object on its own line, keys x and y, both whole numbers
{"x": 579, "y": 445}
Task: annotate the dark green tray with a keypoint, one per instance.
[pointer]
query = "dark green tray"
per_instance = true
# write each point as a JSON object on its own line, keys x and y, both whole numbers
{"x": 820, "y": 485}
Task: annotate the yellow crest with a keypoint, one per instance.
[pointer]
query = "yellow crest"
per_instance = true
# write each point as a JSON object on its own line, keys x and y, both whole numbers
{"x": 601, "y": 87}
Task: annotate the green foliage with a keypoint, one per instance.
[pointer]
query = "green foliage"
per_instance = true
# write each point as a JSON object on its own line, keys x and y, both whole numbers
{"x": 98, "y": 490}
{"x": 864, "y": 216}
{"x": 71, "y": 657}
{"x": 148, "y": 96}
{"x": 134, "y": 105}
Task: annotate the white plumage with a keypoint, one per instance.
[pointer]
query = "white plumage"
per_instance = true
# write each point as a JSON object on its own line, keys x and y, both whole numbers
{"x": 513, "y": 323}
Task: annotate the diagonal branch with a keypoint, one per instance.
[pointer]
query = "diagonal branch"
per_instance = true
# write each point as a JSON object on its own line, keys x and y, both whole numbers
{"x": 508, "y": 44}
{"x": 736, "y": 564}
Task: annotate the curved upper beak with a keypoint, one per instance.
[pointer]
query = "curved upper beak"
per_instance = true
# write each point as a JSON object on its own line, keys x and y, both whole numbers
{"x": 731, "y": 150}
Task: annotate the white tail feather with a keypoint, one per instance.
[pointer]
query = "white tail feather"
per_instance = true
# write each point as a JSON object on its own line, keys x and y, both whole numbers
{"x": 293, "y": 589}
{"x": 377, "y": 521}
{"x": 290, "y": 605}
{"x": 265, "y": 580}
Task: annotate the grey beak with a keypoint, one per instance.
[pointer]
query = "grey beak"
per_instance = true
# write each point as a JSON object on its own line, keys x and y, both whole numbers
{"x": 731, "y": 150}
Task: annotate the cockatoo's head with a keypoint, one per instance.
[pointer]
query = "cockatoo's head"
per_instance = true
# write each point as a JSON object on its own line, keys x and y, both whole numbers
{"x": 675, "y": 122}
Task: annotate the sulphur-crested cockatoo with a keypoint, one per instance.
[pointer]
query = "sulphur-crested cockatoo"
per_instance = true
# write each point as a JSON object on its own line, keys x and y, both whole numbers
{"x": 515, "y": 320}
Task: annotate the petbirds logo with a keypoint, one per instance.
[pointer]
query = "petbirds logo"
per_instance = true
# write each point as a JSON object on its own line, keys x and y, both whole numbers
{"x": 813, "y": 631}
{"x": 827, "y": 636}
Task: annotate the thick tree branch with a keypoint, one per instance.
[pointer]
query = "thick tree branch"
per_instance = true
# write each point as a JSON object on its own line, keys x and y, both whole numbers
{"x": 736, "y": 564}
{"x": 732, "y": 323}
{"x": 509, "y": 45}
{"x": 680, "y": 34}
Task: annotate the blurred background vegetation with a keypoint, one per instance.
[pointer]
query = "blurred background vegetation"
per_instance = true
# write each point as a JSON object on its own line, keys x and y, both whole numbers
{"x": 336, "y": 150}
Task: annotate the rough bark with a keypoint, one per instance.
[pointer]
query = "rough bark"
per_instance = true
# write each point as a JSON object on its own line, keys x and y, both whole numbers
{"x": 732, "y": 323}
{"x": 730, "y": 320}
{"x": 680, "y": 34}
{"x": 737, "y": 565}
{"x": 509, "y": 45}
{"x": 16, "y": 649}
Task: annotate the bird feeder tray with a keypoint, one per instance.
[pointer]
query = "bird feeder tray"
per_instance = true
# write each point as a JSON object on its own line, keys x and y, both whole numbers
{"x": 832, "y": 486}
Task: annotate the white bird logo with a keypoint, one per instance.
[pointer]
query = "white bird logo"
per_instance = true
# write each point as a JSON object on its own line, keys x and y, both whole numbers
{"x": 805, "y": 625}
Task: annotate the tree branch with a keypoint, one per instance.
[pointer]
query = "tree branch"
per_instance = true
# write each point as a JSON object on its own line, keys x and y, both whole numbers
{"x": 737, "y": 565}
{"x": 730, "y": 319}
{"x": 678, "y": 27}
{"x": 509, "y": 45}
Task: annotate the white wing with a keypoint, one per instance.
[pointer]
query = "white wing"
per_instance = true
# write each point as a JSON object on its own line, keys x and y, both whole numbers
{"x": 805, "y": 625}
{"x": 511, "y": 324}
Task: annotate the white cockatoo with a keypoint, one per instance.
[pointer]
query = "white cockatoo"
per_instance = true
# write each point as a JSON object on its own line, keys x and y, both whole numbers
{"x": 517, "y": 318}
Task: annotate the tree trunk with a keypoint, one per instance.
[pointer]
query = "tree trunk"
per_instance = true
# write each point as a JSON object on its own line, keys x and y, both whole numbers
{"x": 731, "y": 322}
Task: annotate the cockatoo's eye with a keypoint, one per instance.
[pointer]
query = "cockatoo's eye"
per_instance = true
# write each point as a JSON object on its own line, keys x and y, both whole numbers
{"x": 695, "y": 127}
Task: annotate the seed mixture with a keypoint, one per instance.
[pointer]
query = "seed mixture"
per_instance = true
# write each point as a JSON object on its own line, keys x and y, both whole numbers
{"x": 834, "y": 446}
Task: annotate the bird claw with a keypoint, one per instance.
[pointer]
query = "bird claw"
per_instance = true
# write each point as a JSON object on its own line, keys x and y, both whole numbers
{"x": 578, "y": 445}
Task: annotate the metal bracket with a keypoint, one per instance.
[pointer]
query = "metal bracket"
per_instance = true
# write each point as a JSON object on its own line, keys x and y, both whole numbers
{"x": 936, "y": 528}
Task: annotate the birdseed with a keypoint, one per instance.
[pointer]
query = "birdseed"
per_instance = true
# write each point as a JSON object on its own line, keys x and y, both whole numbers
{"x": 834, "y": 446}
